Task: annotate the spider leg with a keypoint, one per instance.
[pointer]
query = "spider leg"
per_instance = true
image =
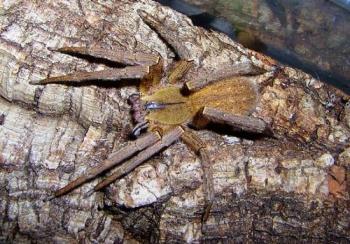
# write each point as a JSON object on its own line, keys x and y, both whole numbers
{"x": 179, "y": 69}
{"x": 113, "y": 159}
{"x": 131, "y": 72}
{"x": 187, "y": 46}
{"x": 167, "y": 139}
{"x": 246, "y": 68}
{"x": 240, "y": 122}
{"x": 153, "y": 78}
{"x": 199, "y": 147}
{"x": 118, "y": 56}
{"x": 161, "y": 26}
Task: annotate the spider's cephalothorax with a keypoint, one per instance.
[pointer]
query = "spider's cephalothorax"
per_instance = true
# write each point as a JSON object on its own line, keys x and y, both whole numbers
{"x": 165, "y": 111}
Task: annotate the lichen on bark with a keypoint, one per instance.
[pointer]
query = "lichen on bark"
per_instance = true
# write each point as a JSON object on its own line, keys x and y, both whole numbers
{"x": 293, "y": 186}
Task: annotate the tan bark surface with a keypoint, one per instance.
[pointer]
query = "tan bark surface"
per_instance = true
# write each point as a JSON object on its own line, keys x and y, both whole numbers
{"x": 291, "y": 187}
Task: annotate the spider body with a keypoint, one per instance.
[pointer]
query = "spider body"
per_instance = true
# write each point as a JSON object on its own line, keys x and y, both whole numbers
{"x": 232, "y": 96}
{"x": 166, "y": 110}
{"x": 171, "y": 105}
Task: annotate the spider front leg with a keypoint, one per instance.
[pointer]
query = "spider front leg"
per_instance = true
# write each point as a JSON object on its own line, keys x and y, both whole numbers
{"x": 186, "y": 45}
{"x": 147, "y": 145}
{"x": 118, "y": 56}
{"x": 238, "y": 122}
{"x": 166, "y": 140}
{"x": 113, "y": 160}
{"x": 143, "y": 61}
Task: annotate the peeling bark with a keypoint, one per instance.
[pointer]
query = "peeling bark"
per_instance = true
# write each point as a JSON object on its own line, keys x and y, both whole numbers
{"x": 291, "y": 187}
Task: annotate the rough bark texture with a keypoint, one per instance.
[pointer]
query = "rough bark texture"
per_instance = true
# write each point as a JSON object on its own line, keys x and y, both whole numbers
{"x": 291, "y": 187}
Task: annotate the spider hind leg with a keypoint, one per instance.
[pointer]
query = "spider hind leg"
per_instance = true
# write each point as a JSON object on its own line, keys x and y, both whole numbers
{"x": 199, "y": 147}
{"x": 237, "y": 122}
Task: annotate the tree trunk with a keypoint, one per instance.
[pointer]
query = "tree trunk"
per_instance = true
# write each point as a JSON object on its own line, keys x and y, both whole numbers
{"x": 289, "y": 187}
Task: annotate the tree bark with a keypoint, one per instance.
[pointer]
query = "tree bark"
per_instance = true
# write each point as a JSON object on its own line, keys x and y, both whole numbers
{"x": 289, "y": 187}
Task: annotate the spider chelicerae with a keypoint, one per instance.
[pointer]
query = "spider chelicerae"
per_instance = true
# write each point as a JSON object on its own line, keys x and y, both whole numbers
{"x": 168, "y": 113}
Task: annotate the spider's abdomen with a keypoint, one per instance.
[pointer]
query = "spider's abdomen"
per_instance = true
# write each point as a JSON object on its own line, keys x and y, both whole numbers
{"x": 235, "y": 95}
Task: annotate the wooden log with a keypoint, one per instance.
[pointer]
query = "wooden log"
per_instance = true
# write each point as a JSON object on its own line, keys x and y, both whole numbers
{"x": 267, "y": 189}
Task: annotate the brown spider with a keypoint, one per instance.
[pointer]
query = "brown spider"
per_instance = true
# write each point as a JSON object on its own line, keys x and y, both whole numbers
{"x": 166, "y": 112}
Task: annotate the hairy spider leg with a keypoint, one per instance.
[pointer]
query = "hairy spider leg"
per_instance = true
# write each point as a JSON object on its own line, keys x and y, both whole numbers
{"x": 113, "y": 160}
{"x": 162, "y": 29}
{"x": 118, "y": 56}
{"x": 204, "y": 116}
{"x": 199, "y": 147}
{"x": 244, "y": 123}
{"x": 142, "y": 61}
{"x": 167, "y": 139}
{"x": 179, "y": 70}
{"x": 151, "y": 91}
{"x": 152, "y": 80}
{"x": 130, "y": 72}
{"x": 239, "y": 69}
